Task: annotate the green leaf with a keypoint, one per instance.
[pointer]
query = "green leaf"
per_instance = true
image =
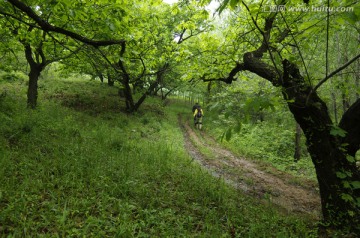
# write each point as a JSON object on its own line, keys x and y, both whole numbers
{"x": 358, "y": 202}
{"x": 341, "y": 175}
{"x": 340, "y": 20}
{"x": 350, "y": 158}
{"x": 355, "y": 184}
{"x": 337, "y": 131}
{"x": 347, "y": 197}
{"x": 347, "y": 184}
{"x": 351, "y": 213}
{"x": 223, "y": 6}
{"x": 233, "y": 3}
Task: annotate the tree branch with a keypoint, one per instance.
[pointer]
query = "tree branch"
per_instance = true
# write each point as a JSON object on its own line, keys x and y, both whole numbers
{"x": 327, "y": 39}
{"x": 296, "y": 45}
{"x": 45, "y": 26}
{"x": 239, "y": 67}
{"x": 335, "y": 72}
{"x": 18, "y": 19}
{"x": 252, "y": 60}
{"x": 182, "y": 38}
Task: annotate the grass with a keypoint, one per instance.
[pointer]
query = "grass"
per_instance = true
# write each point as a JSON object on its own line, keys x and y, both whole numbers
{"x": 269, "y": 142}
{"x": 79, "y": 167}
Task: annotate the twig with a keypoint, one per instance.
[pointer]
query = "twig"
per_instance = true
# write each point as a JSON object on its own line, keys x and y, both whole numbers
{"x": 327, "y": 38}
{"x": 335, "y": 72}
{"x": 297, "y": 47}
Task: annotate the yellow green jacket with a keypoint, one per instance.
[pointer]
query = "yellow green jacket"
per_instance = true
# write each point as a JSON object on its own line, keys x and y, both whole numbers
{"x": 196, "y": 111}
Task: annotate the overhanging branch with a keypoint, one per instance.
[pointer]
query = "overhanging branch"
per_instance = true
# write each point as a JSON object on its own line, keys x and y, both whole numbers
{"x": 45, "y": 26}
{"x": 239, "y": 67}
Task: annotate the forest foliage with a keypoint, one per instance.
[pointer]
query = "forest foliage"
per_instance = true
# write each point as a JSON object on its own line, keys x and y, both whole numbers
{"x": 289, "y": 68}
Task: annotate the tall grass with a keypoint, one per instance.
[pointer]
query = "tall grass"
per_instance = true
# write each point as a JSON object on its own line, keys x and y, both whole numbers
{"x": 67, "y": 171}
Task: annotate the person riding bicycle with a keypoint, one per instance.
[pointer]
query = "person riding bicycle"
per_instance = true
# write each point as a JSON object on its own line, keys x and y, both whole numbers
{"x": 198, "y": 116}
{"x": 193, "y": 111}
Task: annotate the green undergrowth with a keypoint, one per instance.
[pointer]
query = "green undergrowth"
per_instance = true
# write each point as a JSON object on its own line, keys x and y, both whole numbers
{"x": 269, "y": 142}
{"x": 69, "y": 171}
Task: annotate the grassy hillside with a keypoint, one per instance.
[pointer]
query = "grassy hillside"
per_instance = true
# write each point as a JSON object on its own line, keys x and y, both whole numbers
{"x": 79, "y": 167}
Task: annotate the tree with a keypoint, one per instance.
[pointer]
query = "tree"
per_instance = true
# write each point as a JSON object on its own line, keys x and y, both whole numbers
{"x": 146, "y": 49}
{"x": 37, "y": 60}
{"x": 28, "y": 24}
{"x": 256, "y": 41}
{"x": 268, "y": 53}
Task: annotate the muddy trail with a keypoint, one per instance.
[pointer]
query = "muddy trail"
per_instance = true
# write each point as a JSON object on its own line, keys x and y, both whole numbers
{"x": 290, "y": 194}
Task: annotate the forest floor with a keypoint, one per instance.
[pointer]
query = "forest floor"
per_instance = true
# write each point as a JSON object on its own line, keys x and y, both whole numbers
{"x": 291, "y": 194}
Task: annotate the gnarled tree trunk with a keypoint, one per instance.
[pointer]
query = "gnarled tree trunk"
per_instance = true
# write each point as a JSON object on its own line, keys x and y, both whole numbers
{"x": 329, "y": 149}
{"x": 327, "y": 144}
{"x": 297, "y": 152}
{"x": 34, "y": 74}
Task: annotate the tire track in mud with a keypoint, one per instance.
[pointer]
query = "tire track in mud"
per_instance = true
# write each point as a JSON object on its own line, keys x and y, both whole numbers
{"x": 263, "y": 183}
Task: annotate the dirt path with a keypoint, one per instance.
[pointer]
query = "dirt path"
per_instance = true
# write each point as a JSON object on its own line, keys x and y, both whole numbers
{"x": 284, "y": 190}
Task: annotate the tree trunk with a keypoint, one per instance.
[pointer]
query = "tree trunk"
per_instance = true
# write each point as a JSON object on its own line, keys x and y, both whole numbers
{"x": 328, "y": 145}
{"x": 35, "y": 71}
{"x": 335, "y": 111}
{"x": 357, "y": 76}
{"x": 297, "y": 154}
{"x": 169, "y": 92}
{"x": 357, "y": 79}
{"x": 129, "y": 101}
{"x": 345, "y": 102}
{"x": 110, "y": 80}
{"x": 143, "y": 97}
{"x": 32, "y": 92}
{"x": 101, "y": 77}
{"x": 333, "y": 168}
